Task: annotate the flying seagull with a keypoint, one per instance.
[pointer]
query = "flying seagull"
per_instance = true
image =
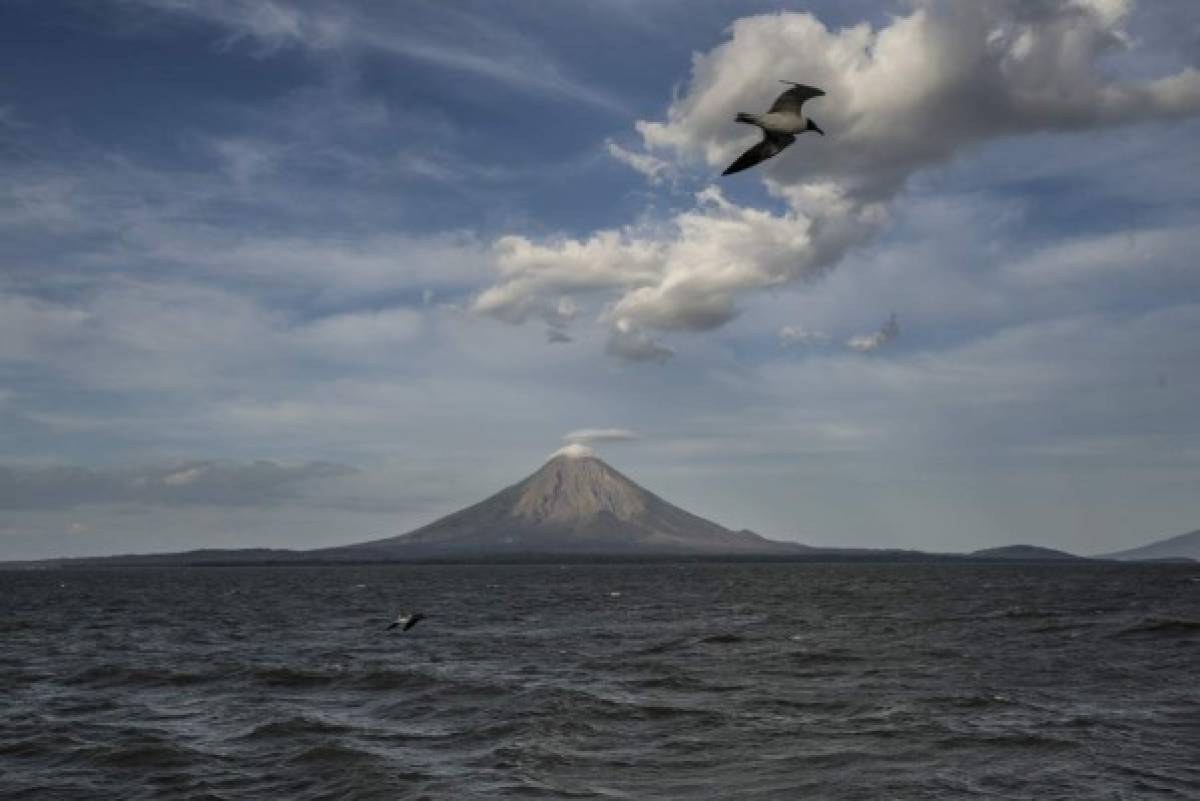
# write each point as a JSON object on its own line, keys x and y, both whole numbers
{"x": 406, "y": 620}
{"x": 780, "y": 125}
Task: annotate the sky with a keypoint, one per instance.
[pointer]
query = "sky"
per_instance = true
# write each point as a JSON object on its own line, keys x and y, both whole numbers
{"x": 296, "y": 273}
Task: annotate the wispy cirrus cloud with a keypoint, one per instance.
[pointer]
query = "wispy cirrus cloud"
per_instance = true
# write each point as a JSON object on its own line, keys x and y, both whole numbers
{"x": 452, "y": 39}
{"x": 655, "y": 169}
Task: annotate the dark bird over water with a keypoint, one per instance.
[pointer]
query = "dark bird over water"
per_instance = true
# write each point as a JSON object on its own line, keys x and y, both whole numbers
{"x": 406, "y": 620}
{"x": 780, "y": 126}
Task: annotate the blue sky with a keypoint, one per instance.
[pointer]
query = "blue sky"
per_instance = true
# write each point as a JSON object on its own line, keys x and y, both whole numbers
{"x": 298, "y": 273}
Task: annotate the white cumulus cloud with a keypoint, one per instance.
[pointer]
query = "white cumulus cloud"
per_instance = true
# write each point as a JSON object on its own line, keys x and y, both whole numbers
{"x": 907, "y": 95}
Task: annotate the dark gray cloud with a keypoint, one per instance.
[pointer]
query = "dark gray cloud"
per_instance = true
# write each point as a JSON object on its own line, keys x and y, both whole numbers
{"x": 630, "y": 343}
{"x": 865, "y": 343}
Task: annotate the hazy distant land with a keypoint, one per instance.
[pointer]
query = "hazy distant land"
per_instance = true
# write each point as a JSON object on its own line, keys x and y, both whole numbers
{"x": 578, "y": 508}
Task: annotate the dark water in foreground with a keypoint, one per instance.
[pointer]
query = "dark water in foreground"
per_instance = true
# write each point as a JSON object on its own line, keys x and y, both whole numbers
{"x": 643, "y": 682}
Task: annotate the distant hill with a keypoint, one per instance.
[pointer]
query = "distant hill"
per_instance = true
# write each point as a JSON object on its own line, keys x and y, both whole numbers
{"x": 1184, "y": 546}
{"x": 1025, "y": 553}
{"x": 575, "y": 504}
{"x": 201, "y": 556}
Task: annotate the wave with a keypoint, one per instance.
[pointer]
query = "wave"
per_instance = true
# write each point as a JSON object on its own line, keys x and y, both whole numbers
{"x": 668, "y": 712}
{"x": 1021, "y": 612}
{"x": 142, "y": 755}
{"x": 39, "y": 745}
{"x": 290, "y": 677}
{"x": 384, "y": 679}
{"x": 333, "y": 754}
{"x": 584, "y": 709}
{"x": 682, "y": 683}
{"x": 833, "y": 657}
{"x": 971, "y": 701}
{"x": 1057, "y": 627}
{"x": 296, "y": 726}
{"x": 1162, "y": 625}
{"x": 662, "y": 647}
{"x": 723, "y": 638}
{"x": 1010, "y": 740}
{"x": 110, "y": 675}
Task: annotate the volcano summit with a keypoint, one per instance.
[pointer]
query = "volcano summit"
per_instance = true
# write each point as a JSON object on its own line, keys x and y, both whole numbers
{"x": 575, "y": 504}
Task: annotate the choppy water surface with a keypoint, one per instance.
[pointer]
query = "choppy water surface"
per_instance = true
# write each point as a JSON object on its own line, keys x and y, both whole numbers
{"x": 602, "y": 681}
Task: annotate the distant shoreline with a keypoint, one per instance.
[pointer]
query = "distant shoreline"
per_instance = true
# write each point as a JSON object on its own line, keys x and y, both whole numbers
{"x": 152, "y": 561}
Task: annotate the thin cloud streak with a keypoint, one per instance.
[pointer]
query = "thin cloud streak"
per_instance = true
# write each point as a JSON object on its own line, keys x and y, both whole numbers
{"x": 275, "y": 25}
{"x": 586, "y": 436}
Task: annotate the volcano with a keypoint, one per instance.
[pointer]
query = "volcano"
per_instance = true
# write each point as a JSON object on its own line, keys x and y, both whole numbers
{"x": 576, "y": 504}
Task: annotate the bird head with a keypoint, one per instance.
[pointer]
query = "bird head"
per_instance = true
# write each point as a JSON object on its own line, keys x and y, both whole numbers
{"x": 812, "y": 126}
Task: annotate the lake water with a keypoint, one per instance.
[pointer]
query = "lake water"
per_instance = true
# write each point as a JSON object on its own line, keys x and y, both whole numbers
{"x": 688, "y": 681}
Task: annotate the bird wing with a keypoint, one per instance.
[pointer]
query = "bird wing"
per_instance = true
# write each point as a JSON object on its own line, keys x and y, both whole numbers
{"x": 793, "y": 99}
{"x": 412, "y": 621}
{"x": 389, "y": 628}
{"x": 770, "y": 145}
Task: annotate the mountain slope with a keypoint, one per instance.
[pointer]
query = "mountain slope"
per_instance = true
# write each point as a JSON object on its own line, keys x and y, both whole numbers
{"x": 1184, "y": 546}
{"x": 575, "y": 504}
